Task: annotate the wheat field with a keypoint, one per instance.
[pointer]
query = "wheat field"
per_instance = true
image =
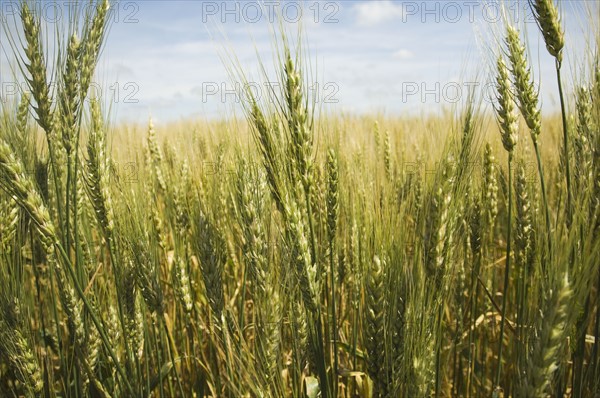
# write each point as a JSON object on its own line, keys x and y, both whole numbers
{"x": 289, "y": 254}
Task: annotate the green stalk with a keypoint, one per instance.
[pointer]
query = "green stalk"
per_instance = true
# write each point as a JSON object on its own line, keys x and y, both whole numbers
{"x": 455, "y": 359}
{"x": 354, "y": 340}
{"x": 242, "y": 301}
{"x": 579, "y": 353}
{"x": 171, "y": 348}
{"x": 438, "y": 350}
{"x": 146, "y": 363}
{"x": 57, "y": 186}
{"x": 566, "y": 146}
{"x": 506, "y": 271}
{"x": 521, "y": 299}
{"x": 544, "y": 199}
{"x": 334, "y": 319}
{"x": 316, "y": 335}
{"x": 68, "y": 206}
{"x": 474, "y": 294}
{"x": 313, "y": 243}
{"x": 317, "y": 324}
{"x": 75, "y": 215}
{"x": 297, "y": 369}
{"x": 158, "y": 358}
{"x": 595, "y": 357}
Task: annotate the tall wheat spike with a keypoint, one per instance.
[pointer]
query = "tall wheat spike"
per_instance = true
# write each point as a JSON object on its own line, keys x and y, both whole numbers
{"x": 508, "y": 130}
{"x": 528, "y": 103}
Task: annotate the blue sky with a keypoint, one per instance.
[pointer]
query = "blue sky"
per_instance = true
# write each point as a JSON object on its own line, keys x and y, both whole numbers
{"x": 165, "y": 58}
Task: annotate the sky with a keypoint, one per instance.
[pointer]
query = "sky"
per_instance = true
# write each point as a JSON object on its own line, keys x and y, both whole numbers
{"x": 169, "y": 59}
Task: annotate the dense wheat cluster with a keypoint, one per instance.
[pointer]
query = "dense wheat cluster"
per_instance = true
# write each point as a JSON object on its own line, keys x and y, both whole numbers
{"x": 294, "y": 255}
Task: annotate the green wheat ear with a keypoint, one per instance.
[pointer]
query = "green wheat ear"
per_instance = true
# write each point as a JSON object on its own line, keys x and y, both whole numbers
{"x": 14, "y": 181}
{"x": 526, "y": 93}
{"x": 546, "y": 16}
{"x": 91, "y": 43}
{"x": 332, "y": 193}
{"x": 97, "y": 173}
{"x": 37, "y": 68}
{"x": 69, "y": 99}
{"x": 505, "y": 109}
{"x": 551, "y": 339}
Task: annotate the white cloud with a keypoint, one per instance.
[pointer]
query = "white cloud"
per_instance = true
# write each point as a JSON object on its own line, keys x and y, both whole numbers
{"x": 121, "y": 70}
{"x": 190, "y": 48}
{"x": 403, "y": 54}
{"x": 370, "y": 13}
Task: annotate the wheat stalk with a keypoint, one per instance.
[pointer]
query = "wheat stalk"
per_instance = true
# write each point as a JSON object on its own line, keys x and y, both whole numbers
{"x": 546, "y": 15}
